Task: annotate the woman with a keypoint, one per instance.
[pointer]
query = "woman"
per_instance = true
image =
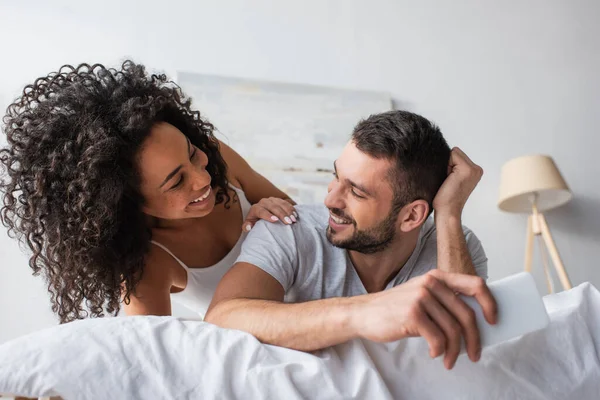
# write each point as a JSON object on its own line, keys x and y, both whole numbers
{"x": 123, "y": 193}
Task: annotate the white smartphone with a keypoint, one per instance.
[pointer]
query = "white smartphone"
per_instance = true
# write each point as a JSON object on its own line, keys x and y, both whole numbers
{"x": 520, "y": 310}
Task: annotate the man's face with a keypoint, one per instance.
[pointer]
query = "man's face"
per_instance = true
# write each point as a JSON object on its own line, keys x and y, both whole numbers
{"x": 360, "y": 203}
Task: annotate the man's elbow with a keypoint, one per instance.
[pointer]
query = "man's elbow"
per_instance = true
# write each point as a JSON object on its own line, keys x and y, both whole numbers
{"x": 217, "y": 313}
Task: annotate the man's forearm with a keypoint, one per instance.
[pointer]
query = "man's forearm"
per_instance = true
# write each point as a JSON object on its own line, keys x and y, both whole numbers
{"x": 305, "y": 326}
{"x": 452, "y": 250}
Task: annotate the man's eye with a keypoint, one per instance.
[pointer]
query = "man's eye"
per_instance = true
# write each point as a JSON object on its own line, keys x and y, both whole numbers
{"x": 357, "y": 195}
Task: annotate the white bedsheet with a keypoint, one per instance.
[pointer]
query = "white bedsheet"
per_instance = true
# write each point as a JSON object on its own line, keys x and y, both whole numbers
{"x": 163, "y": 357}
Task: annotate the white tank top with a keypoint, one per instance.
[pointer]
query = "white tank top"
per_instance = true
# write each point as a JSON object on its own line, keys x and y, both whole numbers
{"x": 202, "y": 282}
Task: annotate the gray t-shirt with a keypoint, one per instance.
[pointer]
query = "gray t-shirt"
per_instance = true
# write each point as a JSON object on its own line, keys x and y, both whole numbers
{"x": 302, "y": 260}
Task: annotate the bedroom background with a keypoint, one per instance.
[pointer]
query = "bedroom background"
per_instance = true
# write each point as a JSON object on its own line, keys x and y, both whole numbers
{"x": 501, "y": 79}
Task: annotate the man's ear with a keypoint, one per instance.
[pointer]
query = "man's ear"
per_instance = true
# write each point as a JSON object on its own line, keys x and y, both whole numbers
{"x": 413, "y": 215}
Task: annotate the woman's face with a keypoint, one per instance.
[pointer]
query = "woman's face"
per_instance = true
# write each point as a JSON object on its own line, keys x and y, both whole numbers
{"x": 174, "y": 180}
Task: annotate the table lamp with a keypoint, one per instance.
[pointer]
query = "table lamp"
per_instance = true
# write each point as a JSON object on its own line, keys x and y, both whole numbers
{"x": 533, "y": 184}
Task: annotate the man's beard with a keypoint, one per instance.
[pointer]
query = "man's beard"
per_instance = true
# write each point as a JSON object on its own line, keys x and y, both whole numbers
{"x": 369, "y": 241}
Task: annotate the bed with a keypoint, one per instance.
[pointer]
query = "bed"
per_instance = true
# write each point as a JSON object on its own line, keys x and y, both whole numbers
{"x": 171, "y": 358}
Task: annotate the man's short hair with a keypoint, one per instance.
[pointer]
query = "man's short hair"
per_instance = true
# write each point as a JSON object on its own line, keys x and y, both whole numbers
{"x": 415, "y": 145}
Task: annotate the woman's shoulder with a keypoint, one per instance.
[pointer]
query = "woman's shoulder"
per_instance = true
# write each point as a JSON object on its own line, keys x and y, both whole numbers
{"x": 158, "y": 267}
{"x": 235, "y": 163}
{"x": 151, "y": 295}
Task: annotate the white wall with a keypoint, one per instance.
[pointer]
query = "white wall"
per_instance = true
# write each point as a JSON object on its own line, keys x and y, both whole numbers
{"x": 501, "y": 78}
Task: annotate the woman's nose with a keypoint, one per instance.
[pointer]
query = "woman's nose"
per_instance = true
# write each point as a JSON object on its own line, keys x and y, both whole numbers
{"x": 201, "y": 179}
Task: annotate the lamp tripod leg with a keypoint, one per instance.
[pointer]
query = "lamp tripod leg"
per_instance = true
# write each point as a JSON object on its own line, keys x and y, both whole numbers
{"x": 529, "y": 244}
{"x": 558, "y": 264}
{"x": 549, "y": 280}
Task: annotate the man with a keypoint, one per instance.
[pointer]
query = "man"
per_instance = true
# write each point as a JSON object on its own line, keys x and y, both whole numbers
{"x": 342, "y": 272}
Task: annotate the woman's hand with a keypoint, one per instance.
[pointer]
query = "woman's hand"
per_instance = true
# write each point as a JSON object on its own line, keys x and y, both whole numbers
{"x": 271, "y": 209}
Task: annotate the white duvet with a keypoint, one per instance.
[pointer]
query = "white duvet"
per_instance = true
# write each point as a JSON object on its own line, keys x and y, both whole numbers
{"x": 167, "y": 358}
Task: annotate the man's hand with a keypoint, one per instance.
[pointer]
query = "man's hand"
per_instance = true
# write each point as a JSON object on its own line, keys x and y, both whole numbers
{"x": 463, "y": 176}
{"x": 428, "y": 306}
{"x": 249, "y": 299}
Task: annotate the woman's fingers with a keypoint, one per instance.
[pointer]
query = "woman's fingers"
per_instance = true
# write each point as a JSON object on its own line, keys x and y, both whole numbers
{"x": 283, "y": 210}
{"x": 257, "y": 212}
{"x": 272, "y": 210}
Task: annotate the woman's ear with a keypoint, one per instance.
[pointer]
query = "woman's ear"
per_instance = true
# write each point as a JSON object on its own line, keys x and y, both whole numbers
{"x": 413, "y": 215}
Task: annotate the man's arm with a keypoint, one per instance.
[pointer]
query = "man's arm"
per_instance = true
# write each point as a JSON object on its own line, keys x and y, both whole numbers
{"x": 453, "y": 253}
{"x": 249, "y": 299}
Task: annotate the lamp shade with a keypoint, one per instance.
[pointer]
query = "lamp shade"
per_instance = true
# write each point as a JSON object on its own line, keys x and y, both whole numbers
{"x": 523, "y": 178}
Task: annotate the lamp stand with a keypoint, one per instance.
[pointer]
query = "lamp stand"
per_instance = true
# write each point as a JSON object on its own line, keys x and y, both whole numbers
{"x": 537, "y": 227}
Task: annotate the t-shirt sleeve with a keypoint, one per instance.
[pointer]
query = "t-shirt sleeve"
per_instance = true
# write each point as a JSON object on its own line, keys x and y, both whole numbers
{"x": 477, "y": 252}
{"x": 272, "y": 248}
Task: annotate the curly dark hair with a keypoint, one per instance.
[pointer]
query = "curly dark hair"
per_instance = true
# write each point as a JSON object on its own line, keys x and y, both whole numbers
{"x": 71, "y": 185}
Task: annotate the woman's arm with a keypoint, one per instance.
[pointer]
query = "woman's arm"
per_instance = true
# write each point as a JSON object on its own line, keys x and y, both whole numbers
{"x": 152, "y": 295}
{"x": 254, "y": 185}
